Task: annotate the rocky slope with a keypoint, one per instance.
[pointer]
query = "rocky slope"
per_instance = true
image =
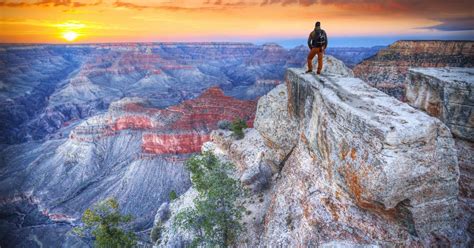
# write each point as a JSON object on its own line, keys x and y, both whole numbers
{"x": 388, "y": 69}
{"x": 333, "y": 162}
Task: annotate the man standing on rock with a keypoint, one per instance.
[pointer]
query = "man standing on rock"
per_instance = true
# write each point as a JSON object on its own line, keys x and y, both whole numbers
{"x": 317, "y": 43}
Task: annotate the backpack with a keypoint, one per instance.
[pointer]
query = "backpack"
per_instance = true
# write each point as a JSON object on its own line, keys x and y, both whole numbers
{"x": 318, "y": 38}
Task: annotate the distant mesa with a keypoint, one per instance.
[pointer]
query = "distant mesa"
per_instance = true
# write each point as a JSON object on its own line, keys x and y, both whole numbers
{"x": 388, "y": 69}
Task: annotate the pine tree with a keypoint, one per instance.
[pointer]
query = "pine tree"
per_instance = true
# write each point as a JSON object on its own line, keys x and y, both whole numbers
{"x": 104, "y": 223}
{"x": 214, "y": 220}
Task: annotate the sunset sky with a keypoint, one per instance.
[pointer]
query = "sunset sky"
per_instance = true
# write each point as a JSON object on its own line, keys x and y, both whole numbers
{"x": 85, "y": 21}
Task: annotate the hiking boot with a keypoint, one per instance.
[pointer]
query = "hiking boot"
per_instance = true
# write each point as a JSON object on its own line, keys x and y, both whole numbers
{"x": 309, "y": 71}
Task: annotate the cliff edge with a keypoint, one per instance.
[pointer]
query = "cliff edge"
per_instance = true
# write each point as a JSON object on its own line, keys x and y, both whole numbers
{"x": 334, "y": 162}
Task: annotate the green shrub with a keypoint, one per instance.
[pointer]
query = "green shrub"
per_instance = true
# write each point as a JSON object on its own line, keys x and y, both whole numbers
{"x": 237, "y": 127}
{"x": 155, "y": 234}
{"x": 173, "y": 196}
{"x": 215, "y": 218}
{"x": 105, "y": 223}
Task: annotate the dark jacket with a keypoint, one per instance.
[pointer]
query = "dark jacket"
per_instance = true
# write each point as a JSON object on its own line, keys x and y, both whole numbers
{"x": 312, "y": 42}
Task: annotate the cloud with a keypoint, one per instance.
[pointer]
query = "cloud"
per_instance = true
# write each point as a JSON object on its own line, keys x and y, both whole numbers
{"x": 233, "y": 4}
{"x": 289, "y": 2}
{"x": 410, "y": 6}
{"x": 55, "y": 3}
{"x": 134, "y": 6}
{"x": 70, "y": 25}
{"x": 455, "y": 15}
{"x": 454, "y": 24}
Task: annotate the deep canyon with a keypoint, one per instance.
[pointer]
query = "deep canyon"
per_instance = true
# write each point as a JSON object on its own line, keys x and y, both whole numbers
{"x": 85, "y": 122}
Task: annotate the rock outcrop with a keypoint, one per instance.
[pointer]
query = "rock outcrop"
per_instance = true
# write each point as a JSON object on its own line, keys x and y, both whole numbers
{"x": 360, "y": 149}
{"x": 448, "y": 94}
{"x": 334, "y": 162}
{"x": 388, "y": 70}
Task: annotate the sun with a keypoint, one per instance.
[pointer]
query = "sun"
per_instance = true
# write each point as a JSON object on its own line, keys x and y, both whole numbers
{"x": 70, "y": 35}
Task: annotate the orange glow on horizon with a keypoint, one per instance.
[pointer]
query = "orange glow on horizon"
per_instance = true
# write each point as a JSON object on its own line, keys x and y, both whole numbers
{"x": 193, "y": 20}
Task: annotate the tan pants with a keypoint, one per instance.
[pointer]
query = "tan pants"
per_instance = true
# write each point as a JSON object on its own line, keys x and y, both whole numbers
{"x": 312, "y": 53}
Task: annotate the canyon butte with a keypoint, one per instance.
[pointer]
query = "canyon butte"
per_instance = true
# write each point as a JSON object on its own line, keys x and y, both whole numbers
{"x": 329, "y": 161}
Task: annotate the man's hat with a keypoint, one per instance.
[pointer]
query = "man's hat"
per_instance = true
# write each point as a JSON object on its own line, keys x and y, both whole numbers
{"x": 318, "y": 24}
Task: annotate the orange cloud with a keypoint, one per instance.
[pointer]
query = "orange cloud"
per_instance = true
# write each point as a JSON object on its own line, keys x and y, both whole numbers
{"x": 130, "y": 5}
{"x": 50, "y": 3}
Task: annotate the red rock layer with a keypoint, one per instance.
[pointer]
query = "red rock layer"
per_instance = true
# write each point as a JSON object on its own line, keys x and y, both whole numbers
{"x": 179, "y": 129}
{"x": 212, "y": 106}
{"x": 132, "y": 122}
{"x": 188, "y": 124}
{"x": 173, "y": 143}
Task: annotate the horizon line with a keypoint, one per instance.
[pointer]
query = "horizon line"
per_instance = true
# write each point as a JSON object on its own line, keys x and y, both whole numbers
{"x": 193, "y": 42}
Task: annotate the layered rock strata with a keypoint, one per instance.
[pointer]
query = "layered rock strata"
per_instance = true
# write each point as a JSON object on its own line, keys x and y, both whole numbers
{"x": 388, "y": 70}
{"x": 447, "y": 94}
{"x": 133, "y": 152}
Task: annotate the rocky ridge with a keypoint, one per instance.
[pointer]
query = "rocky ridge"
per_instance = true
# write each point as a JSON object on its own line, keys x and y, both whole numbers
{"x": 334, "y": 162}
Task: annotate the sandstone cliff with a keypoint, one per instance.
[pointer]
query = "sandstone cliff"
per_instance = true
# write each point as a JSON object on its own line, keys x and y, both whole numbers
{"x": 333, "y": 162}
{"x": 388, "y": 69}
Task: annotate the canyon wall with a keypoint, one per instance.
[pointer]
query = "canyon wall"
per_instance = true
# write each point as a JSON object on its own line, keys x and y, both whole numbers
{"x": 81, "y": 123}
{"x": 133, "y": 152}
{"x": 447, "y": 94}
{"x": 388, "y": 69}
{"x": 334, "y": 162}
